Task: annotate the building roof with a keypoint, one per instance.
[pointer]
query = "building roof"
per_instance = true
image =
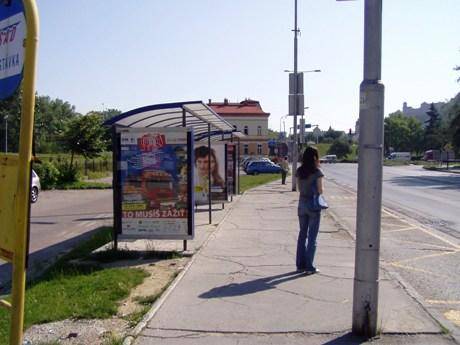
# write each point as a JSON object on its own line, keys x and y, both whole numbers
{"x": 247, "y": 107}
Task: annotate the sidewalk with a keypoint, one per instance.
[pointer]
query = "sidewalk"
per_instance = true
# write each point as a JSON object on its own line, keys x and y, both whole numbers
{"x": 242, "y": 288}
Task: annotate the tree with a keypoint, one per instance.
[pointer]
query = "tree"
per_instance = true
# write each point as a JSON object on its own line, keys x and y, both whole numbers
{"x": 433, "y": 136}
{"x": 402, "y": 133}
{"x": 452, "y": 123}
{"x": 341, "y": 148}
{"x": 10, "y": 109}
{"x": 84, "y": 135}
{"x": 51, "y": 115}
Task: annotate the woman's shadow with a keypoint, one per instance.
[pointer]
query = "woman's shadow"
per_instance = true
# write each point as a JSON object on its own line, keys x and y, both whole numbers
{"x": 253, "y": 286}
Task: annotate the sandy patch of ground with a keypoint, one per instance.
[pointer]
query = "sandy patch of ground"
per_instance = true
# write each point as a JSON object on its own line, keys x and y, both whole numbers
{"x": 98, "y": 332}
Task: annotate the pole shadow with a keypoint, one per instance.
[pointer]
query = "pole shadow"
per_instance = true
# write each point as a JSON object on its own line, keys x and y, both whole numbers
{"x": 348, "y": 339}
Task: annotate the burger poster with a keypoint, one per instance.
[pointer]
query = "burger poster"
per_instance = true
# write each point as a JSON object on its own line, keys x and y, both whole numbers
{"x": 156, "y": 179}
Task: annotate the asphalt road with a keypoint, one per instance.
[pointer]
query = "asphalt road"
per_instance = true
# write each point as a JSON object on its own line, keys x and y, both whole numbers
{"x": 433, "y": 198}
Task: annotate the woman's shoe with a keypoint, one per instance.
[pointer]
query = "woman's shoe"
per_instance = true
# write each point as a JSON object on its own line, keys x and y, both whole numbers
{"x": 312, "y": 271}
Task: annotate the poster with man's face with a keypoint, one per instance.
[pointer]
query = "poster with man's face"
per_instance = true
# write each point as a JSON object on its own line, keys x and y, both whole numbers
{"x": 210, "y": 167}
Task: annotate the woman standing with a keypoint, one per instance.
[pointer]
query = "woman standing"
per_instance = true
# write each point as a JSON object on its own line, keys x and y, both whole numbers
{"x": 309, "y": 177}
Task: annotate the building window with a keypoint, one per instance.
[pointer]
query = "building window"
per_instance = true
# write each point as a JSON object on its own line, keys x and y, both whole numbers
{"x": 259, "y": 130}
{"x": 246, "y": 130}
{"x": 245, "y": 149}
{"x": 259, "y": 149}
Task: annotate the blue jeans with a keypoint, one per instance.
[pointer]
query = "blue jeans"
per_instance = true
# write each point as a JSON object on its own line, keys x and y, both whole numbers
{"x": 306, "y": 243}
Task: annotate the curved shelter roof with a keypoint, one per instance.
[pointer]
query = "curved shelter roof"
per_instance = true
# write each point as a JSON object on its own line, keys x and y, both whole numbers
{"x": 197, "y": 115}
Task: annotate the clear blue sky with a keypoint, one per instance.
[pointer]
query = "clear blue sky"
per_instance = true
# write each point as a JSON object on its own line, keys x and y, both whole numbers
{"x": 127, "y": 54}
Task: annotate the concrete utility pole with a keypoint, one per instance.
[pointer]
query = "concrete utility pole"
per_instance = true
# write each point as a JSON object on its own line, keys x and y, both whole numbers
{"x": 295, "y": 146}
{"x": 368, "y": 218}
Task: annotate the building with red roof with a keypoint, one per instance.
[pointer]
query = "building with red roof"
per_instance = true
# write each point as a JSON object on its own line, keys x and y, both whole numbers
{"x": 248, "y": 118}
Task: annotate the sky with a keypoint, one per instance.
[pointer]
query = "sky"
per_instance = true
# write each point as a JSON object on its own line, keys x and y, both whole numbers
{"x": 128, "y": 54}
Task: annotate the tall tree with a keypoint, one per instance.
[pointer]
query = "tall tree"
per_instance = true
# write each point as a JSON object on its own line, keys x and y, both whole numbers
{"x": 433, "y": 134}
{"x": 51, "y": 115}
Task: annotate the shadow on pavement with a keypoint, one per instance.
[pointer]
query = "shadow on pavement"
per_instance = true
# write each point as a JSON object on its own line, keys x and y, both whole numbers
{"x": 439, "y": 182}
{"x": 253, "y": 286}
{"x": 347, "y": 339}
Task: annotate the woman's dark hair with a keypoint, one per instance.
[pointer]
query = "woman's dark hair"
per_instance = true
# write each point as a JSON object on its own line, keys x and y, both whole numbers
{"x": 309, "y": 163}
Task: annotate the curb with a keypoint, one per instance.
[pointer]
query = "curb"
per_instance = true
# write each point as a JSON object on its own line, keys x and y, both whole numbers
{"x": 129, "y": 339}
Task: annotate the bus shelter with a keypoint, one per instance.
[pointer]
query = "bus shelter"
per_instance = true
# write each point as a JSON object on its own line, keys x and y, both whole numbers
{"x": 155, "y": 167}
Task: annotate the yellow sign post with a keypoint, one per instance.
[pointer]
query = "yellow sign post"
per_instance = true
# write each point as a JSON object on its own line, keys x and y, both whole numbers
{"x": 15, "y": 181}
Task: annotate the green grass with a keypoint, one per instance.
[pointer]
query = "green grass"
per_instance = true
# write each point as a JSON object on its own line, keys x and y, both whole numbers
{"x": 392, "y": 163}
{"x": 251, "y": 181}
{"x": 322, "y": 149}
{"x": 93, "y": 175}
{"x": 84, "y": 185}
{"x": 69, "y": 290}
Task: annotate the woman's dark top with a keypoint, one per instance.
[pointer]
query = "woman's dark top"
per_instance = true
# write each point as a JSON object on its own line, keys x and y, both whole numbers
{"x": 305, "y": 189}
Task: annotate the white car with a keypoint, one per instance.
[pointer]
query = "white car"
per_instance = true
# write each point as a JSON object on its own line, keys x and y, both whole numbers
{"x": 35, "y": 187}
{"x": 328, "y": 159}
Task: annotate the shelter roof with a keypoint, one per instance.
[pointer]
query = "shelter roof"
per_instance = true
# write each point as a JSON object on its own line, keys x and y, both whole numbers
{"x": 197, "y": 115}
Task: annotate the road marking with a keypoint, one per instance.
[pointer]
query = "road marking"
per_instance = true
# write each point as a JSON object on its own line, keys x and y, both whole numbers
{"x": 403, "y": 229}
{"x": 437, "y": 301}
{"x": 426, "y": 256}
{"x": 418, "y": 243}
{"x": 410, "y": 268}
{"x": 454, "y": 316}
{"x": 428, "y": 232}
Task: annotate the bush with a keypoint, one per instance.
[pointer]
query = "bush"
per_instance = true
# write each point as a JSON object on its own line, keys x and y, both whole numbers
{"x": 67, "y": 172}
{"x": 48, "y": 173}
{"x": 341, "y": 148}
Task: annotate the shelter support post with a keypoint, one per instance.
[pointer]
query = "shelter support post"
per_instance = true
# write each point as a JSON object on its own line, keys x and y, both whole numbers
{"x": 209, "y": 174}
{"x": 184, "y": 124}
{"x": 116, "y": 187}
{"x": 233, "y": 171}
{"x": 223, "y": 139}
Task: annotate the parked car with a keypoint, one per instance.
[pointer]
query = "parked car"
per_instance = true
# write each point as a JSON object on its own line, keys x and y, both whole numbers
{"x": 400, "y": 156}
{"x": 253, "y": 159}
{"x": 35, "y": 187}
{"x": 328, "y": 159}
{"x": 262, "y": 167}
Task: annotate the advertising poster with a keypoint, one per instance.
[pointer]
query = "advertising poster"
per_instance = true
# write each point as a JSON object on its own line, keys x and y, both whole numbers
{"x": 231, "y": 171}
{"x": 156, "y": 183}
{"x": 216, "y": 157}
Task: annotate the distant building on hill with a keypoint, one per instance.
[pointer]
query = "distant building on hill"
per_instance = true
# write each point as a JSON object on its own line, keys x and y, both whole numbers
{"x": 420, "y": 112}
{"x": 248, "y": 118}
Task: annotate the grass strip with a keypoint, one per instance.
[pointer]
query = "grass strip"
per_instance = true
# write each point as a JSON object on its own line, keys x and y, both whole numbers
{"x": 84, "y": 185}
{"x": 69, "y": 290}
{"x": 251, "y": 181}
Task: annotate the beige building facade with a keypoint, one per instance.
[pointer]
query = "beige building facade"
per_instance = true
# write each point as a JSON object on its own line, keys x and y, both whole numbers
{"x": 248, "y": 118}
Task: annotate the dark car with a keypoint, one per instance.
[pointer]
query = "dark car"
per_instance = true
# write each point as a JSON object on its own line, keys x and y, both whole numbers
{"x": 262, "y": 167}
